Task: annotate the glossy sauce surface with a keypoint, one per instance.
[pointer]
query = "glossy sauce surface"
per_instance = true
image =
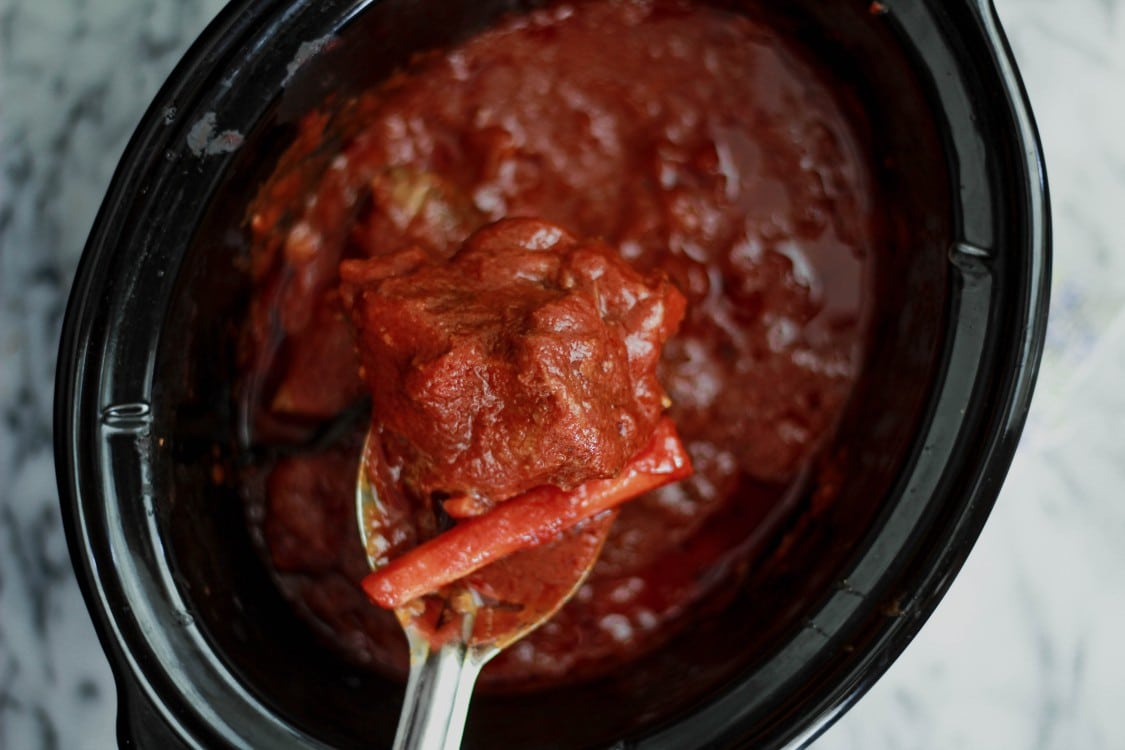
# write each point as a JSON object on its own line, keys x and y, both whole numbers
{"x": 698, "y": 142}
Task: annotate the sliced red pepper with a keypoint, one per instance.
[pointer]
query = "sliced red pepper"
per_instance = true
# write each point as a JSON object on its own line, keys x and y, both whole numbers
{"x": 525, "y": 521}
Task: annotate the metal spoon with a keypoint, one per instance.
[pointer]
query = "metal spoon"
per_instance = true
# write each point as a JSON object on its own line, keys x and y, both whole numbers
{"x": 452, "y": 635}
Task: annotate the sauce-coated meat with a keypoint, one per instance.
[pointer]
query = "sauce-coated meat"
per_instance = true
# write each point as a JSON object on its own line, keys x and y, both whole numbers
{"x": 527, "y": 358}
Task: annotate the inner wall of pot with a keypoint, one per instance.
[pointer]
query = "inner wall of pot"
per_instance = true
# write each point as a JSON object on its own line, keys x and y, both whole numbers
{"x": 278, "y": 658}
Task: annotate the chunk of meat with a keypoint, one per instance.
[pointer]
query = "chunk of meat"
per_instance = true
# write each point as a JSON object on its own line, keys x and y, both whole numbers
{"x": 529, "y": 358}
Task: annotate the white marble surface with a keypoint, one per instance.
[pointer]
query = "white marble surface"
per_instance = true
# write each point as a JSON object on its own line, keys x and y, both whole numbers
{"x": 1025, "y": 651}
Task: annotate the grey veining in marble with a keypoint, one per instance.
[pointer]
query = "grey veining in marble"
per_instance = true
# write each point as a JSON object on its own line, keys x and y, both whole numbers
{"x": 1025, "y": 652}
{"x": 75, "y": 76}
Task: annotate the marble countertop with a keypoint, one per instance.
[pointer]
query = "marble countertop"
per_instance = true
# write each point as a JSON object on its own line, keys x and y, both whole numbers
{"x": 1025, "y": 651}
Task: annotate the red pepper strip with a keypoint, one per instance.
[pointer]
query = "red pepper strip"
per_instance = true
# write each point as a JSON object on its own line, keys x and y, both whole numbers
{"x": 530, "y": 519}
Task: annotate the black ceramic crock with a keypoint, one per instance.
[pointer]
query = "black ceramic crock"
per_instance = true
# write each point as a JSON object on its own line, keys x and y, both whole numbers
{"x": 205, "y": 651}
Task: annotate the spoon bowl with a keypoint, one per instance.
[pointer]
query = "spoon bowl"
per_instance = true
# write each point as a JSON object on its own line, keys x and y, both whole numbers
{"x": 453, "y": 633}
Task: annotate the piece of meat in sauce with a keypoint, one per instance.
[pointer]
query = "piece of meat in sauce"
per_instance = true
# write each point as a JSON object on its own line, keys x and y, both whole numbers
{"x": 528, "y": 358}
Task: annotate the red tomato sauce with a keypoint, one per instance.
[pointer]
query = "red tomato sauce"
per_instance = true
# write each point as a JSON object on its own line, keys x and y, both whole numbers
{"x": 527, "y": 358}
{"x": 703, "y": 145}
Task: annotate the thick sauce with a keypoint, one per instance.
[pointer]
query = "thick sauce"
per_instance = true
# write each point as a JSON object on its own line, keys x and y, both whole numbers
{"x": 528, "y": 358}
{"x": 701, "y": 144}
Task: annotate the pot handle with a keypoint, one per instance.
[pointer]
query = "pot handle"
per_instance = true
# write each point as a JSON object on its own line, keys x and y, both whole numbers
{"x": 139, "y": 725}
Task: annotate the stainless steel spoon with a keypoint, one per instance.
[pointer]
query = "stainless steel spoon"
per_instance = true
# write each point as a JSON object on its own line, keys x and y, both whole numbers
{"x": 523, "y": 591}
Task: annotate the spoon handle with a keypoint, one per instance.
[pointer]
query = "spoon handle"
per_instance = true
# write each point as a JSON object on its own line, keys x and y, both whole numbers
{"x": 437, "y": 694}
